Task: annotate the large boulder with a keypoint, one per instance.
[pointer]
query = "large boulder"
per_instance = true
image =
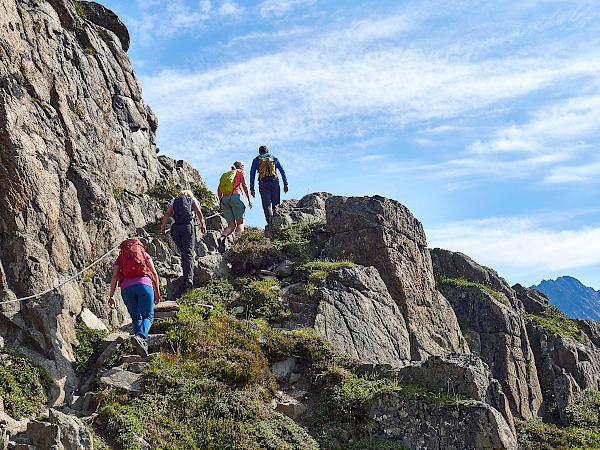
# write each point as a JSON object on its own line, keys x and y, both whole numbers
{"x": 357, "y": 314}
{"x": 310, "y": 208}
{"x": 379, "y": 232}
{"x": 458, "y": 265}
{"x": 564, "y": 365}
{"x": 534, "y": 301}
{"x": 450, "y": 426}
{"x": 464, "y": 375}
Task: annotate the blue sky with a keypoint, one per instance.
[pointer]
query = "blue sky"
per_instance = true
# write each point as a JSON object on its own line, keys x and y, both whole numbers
{"x": 481, "y": 117}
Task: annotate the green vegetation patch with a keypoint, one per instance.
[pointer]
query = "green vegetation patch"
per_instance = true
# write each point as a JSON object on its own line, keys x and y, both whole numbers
{"x": 163, "y": 191}
{"x": 345, "y": 403}
{"x": 212, "y": 393}
{"x": 319, "y": 270}
{"x": 584, "y": 412}
{"x": 376, "y": 444}
{"x": 90, "y": 343}
{"x": 261, "y": 299}
{"x": 554, "y": 321}
{"x": 22, "y": 386}
{"x": 536, "y": 435}
{"x": 205, "y": 196}
{"x": 81, "y": 12}
{"x": 299, "y": 241}
{"x": 253, "y": 242}
{"x": 463, "y": 282}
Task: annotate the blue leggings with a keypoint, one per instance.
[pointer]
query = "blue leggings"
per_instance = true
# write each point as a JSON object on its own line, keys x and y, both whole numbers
{"x": 139, "y": 299}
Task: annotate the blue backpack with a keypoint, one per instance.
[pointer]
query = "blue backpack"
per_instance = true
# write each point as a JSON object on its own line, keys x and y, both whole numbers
{"x": 182, "y": 209}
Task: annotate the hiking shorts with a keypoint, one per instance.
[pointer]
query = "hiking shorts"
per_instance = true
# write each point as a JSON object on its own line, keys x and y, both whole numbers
{"x": 233, "y": 207}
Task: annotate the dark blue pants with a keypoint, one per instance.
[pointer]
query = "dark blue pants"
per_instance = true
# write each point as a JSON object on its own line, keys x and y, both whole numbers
{"x": 270, "y": 196}
{"x": 183, "y": 235}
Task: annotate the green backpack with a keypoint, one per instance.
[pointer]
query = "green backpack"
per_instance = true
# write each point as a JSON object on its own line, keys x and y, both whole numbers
{"x": 226, "y": 186}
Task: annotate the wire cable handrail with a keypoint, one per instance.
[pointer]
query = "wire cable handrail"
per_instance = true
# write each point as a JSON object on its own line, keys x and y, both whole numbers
{"x": 55, "y": 288}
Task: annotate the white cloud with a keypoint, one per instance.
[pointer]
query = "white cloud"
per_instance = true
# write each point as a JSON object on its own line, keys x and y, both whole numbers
{"x": 229, "y": 8}
{"x": 515, "y": 246}
{"x": 278, "y": 8}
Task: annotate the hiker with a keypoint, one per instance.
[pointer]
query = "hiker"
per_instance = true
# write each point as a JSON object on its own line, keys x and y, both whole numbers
{"x": 268, "y": 184}
{"x": 233, "y": 208}
{"x": 134, "y": 272}
{"x": 183, "y": 230}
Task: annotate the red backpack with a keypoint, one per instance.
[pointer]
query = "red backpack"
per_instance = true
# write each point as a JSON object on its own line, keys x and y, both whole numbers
{"x": 132, "y": 260}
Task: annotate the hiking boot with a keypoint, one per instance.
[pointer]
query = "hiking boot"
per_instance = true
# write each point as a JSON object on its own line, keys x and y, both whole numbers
{"x": 140, "y": 345}
{"x": 189, "y": 284}
{"x": 222, "y": 244}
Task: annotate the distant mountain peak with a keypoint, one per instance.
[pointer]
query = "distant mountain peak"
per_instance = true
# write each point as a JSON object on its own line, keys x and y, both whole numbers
{"x": 572, "y": 297}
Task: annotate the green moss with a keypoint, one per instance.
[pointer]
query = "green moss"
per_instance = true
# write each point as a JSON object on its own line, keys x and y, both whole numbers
{"x": 554, "y": 321}
{"x": 463, "y": 282}
{"x": 536, "y": 435}
{"x": 89, "y": 51}
{"x": 90, "y": 342}
{"x": 206, "y": 197}
{"x": 80, "y": 10}
{"x": 22, "y": 387}
{"x": 319, "y": 270}
{"x": 117, "y": 192}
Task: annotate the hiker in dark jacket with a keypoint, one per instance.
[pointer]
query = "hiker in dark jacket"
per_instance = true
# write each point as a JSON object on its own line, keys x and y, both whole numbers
{"x": 268, "y": 184}
{"x": 183, "y": 230}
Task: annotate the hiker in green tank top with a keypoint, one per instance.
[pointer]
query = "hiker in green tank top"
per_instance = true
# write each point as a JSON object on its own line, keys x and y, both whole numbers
{"x": 231, "y": 186}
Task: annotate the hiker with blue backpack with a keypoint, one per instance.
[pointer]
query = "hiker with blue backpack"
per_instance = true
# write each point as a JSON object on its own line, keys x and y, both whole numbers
{"x": 267, "y": 166}
{"x": 183, "y": 233}
{"x": 231, "y": 186}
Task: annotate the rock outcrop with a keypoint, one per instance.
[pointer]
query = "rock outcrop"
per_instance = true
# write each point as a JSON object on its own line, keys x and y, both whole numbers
{"x": 494, "y": 327}
{"x": 357, "y": 314}
{"x": 423, "y": 426}
{"x": 379, "y": 232}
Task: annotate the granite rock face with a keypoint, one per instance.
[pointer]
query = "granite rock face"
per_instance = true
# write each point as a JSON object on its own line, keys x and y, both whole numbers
{"x": 379, "y": 232}
{"x": 310, "y": 208}
{"x": 425, "y": 426}
{"x": 77, "y": 154}
{"x": 357, "y": 314}
{"x": 492, "y": 318}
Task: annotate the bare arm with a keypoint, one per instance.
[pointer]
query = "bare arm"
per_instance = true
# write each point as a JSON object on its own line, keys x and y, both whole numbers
{"x": 245, "y": 188}
{"x": 113, "y": 287}
{"x": 200, "y": 217}
{"x": 168, "y": 213}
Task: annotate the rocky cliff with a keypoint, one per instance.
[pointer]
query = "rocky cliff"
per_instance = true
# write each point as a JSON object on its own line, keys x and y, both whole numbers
{"x": 77, "y": 154}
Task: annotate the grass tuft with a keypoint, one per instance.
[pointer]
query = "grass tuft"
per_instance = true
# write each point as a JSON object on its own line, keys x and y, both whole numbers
{"x": 554, "y": 321}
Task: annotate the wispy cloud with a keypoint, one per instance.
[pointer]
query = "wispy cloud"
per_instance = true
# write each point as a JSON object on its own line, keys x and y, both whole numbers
{"x": 278, "y": 8}
{"x": 520, "y": 245}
